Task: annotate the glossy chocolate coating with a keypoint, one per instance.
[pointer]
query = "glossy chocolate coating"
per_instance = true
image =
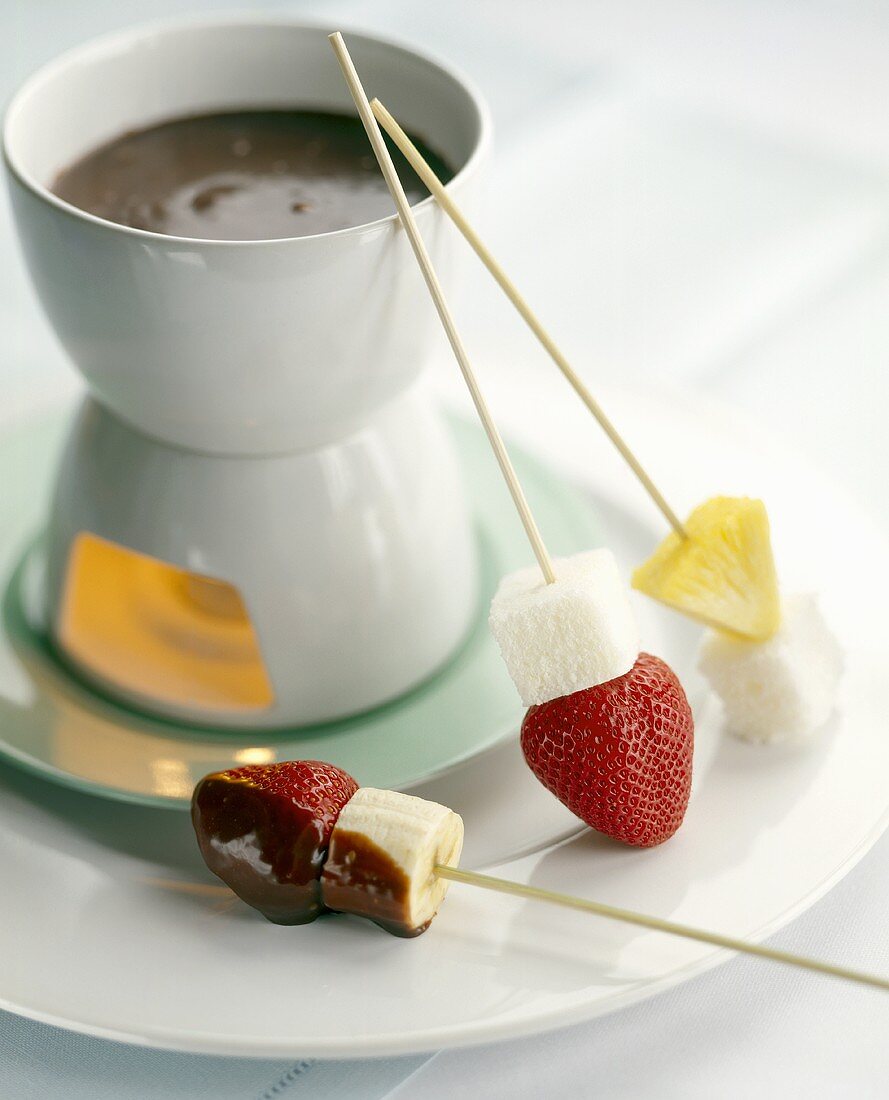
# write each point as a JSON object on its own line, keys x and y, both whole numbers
{"x": 265, "y": 829}
{"x": 241, "y": 176}
{"x": 360, "y": 878}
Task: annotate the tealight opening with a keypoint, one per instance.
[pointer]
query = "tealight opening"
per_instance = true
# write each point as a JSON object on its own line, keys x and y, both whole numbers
{"x": 158, "y": 631}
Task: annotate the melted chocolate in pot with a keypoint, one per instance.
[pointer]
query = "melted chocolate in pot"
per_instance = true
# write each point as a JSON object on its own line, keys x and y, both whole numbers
{"x": 243, "y": 175}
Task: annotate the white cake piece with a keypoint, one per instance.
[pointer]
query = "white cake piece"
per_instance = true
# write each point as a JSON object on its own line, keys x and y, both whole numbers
{"x": 782, "y": 689}
{"x": 564, "y": 637}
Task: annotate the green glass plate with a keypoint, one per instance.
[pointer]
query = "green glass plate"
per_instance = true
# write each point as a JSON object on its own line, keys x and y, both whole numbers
{"x": 54, "y": 724}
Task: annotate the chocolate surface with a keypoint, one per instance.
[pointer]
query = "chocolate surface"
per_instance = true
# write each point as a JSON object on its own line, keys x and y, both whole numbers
{"x": 264, "y": 830}
{"x": 242, "y": 175}
{"x": 360, "y": 878}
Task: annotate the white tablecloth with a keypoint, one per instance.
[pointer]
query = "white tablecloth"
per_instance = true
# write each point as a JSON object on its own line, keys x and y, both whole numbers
{"x": 722, "y": 176}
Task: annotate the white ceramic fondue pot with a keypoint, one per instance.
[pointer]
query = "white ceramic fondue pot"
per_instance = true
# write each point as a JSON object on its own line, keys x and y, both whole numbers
{"x": 255, "y": 419}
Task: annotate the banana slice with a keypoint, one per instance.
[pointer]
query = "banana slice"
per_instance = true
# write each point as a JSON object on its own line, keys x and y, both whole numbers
{"x": 381, "y": 857}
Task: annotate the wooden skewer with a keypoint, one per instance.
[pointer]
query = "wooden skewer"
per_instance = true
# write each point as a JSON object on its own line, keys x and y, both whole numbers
{"x": 413, "y": 233}
{"x": 628, "y": 916}
{"x": 568, "y": 901}
{"x": 437, "y": 188}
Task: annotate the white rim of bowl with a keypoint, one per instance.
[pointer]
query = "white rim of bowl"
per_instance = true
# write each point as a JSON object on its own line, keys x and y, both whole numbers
{"x": 163, "y": 26}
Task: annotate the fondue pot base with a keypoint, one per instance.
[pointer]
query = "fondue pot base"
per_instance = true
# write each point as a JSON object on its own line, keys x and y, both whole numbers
{"x": 265, "y": 591}
{"x": 58, "y": 721}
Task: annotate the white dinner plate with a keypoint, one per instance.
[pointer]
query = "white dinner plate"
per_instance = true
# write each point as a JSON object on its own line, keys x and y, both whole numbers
{"x": 113, "y": 927}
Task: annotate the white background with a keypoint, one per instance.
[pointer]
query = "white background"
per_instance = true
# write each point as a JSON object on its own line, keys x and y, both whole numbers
{"x": 695, "y": 196}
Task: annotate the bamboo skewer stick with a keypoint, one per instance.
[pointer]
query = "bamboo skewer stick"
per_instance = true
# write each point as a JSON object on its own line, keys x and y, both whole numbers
{"x": 568, "y": 901}
{"x": 422, "y": 256}
{"x": 437, "y": 188}
{"x": 672, "y": 928}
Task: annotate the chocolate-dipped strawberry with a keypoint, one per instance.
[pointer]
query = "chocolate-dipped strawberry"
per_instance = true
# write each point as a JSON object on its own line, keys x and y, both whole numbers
{"x": 264, "y": 829}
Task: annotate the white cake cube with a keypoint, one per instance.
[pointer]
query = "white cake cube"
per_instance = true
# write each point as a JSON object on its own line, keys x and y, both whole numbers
{"x": 782, "y": 689}
{"x": 564, "y": 637}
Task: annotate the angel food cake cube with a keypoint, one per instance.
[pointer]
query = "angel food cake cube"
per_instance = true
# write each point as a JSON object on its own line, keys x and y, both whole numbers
{"x": 779, "y": 690}
{"x": 564, "y": 637}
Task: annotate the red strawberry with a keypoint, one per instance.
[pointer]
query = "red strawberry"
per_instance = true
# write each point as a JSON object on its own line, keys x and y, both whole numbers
{"x": 618, "y": 755}
{"x": 264, "y": 830}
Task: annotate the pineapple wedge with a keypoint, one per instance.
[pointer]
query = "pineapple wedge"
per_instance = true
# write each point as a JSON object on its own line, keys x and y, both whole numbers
{"x": 723, "y": 574}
